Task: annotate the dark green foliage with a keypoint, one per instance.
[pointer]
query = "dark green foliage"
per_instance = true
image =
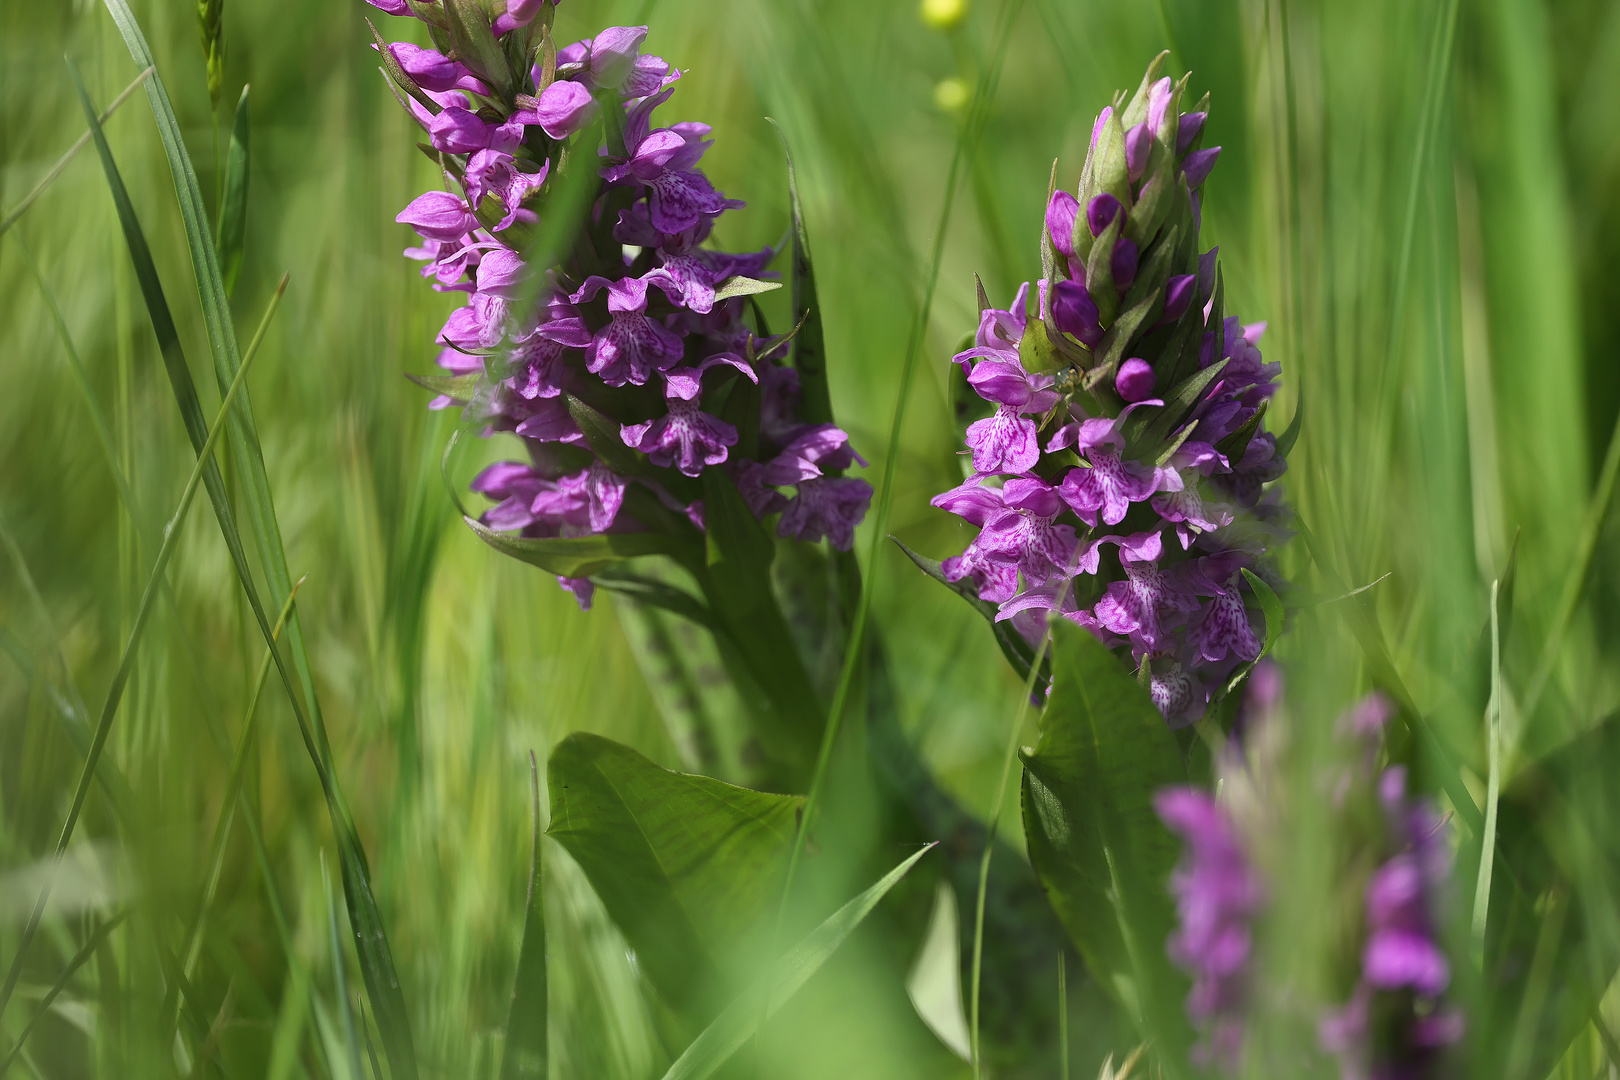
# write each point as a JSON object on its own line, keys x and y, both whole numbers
{"x": 1094, "y": 839}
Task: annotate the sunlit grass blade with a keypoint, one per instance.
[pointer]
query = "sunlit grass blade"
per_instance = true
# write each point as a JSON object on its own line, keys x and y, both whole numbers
{"x": 221, "y": 332}
{"x": 120, "y": 679}
{"x": 524, "y": 1055}
{"x": 1493, "y": 789}
{"x": 227, "y": 813}
{"x": 1597, "y": 514}
{"x": 737, "y": 1024}
{"x": 62, "y": 163}
{"x": 371, "y": 940}
{"x": 233, "y": 204}
{"x": 85, "y": 952}
{"x": 340, "y": 977}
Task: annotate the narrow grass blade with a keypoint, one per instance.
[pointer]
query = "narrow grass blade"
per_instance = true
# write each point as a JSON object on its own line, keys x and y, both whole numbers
{"x": 221, "y": 332}
{"x": 78, "y": 961}
{"x": 376, "y": 960}
{"x": 1271, "y": 606}
{"x": 73, "y": 151}
{"x": 1493, "y": 788}
{"x": 1597, "y": 513}
{"x": 525, "y": 1055}
{"x": 121, "y": 678}
{"x": 227, "y": 814}
{"x": 853, "y": 651}
{"x": 1364, "y": 626}
{"x": 340, "y": 977}
{"x": 738, "y": 1023}
{"x": 233, "y": 207}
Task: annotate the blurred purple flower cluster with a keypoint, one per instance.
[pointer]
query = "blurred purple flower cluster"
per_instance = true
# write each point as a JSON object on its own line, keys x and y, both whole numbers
{"x": 627, "y": 366}
{"x": 1119, "y": 480}
{"x": 1218, "y": 893}
{"x": 1396, "y": 1023}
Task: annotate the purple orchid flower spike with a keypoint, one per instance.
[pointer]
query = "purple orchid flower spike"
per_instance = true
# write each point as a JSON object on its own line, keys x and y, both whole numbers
{"x": 439, "y": 216}
{"x": 560, "y": 356}
{"x": 1061, "y": 213}
{"x": 1166, "y": 593}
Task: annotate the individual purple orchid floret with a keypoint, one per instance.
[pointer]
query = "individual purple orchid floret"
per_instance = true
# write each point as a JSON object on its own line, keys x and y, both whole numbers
{"x": 1218, "y": 895}
{"x": 1100, "y": 392}
{"x": 1006, "y": 441}
{"x": 626, "y": 349}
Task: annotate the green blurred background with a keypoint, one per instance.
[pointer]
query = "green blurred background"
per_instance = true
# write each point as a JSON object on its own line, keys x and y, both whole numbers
{"x": 1419, "y": 197}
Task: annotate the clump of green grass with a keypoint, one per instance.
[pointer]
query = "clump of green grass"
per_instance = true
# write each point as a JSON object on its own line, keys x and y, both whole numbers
{"x": 1417, "y": 195}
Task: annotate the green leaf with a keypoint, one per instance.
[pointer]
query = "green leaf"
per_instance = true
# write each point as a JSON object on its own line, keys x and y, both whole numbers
{"x": 524, "y": 1057}
{"x": 476, "y": 46}
{"x": 737, "y": 285}
{"x": 687, "y": 866}
{"x": 1094, "y": 838}
{"x": 810, "y": 345}
{"x": 1285, "y": 441}
{"x": 658, "y": 594}
{"x": 1013, "y": 646}
{"x": 1235, "y": 445}
{"x": 735, "y": 577}
{"x": 233, "y": 207}
{"x": 458, "y": 388}
{"x": 603, "y": 435}
{"x": 1156, "y": 425}
{"x": 743, "y": 1017}
{"x": 1270, "y": 605}
{"x": 573, "y": 556}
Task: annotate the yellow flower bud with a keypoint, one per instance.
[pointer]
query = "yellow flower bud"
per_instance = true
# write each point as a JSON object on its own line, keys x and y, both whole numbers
{"x": 943, "y": 15}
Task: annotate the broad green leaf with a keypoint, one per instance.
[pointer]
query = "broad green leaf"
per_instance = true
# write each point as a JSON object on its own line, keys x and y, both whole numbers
{"x": 743, "y": 1017}
{"x": 233, "y": 207}
{"x": 371, "y": 940}
{"x": 1270, "y": 605}
{"x": 524, "y": 1057}
{"x": 687, "y": 866}
{"x": 575, "y": 556}
{"x": 1094, "y": 838}
{"x": 1013, "y": 646}
{"x": 658, "y": 594}
{"x": 738, "y": 285}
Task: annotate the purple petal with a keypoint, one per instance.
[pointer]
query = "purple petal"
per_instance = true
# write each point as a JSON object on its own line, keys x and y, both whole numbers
{"x": 1100, "y": 211}
{"x": 1197, "y": 165}
{"x": 1135, "y": 379}
{"x": 1122, "y": 264}
{"x": 1074, "y": 312}
{"x": 1061, "y": 213}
